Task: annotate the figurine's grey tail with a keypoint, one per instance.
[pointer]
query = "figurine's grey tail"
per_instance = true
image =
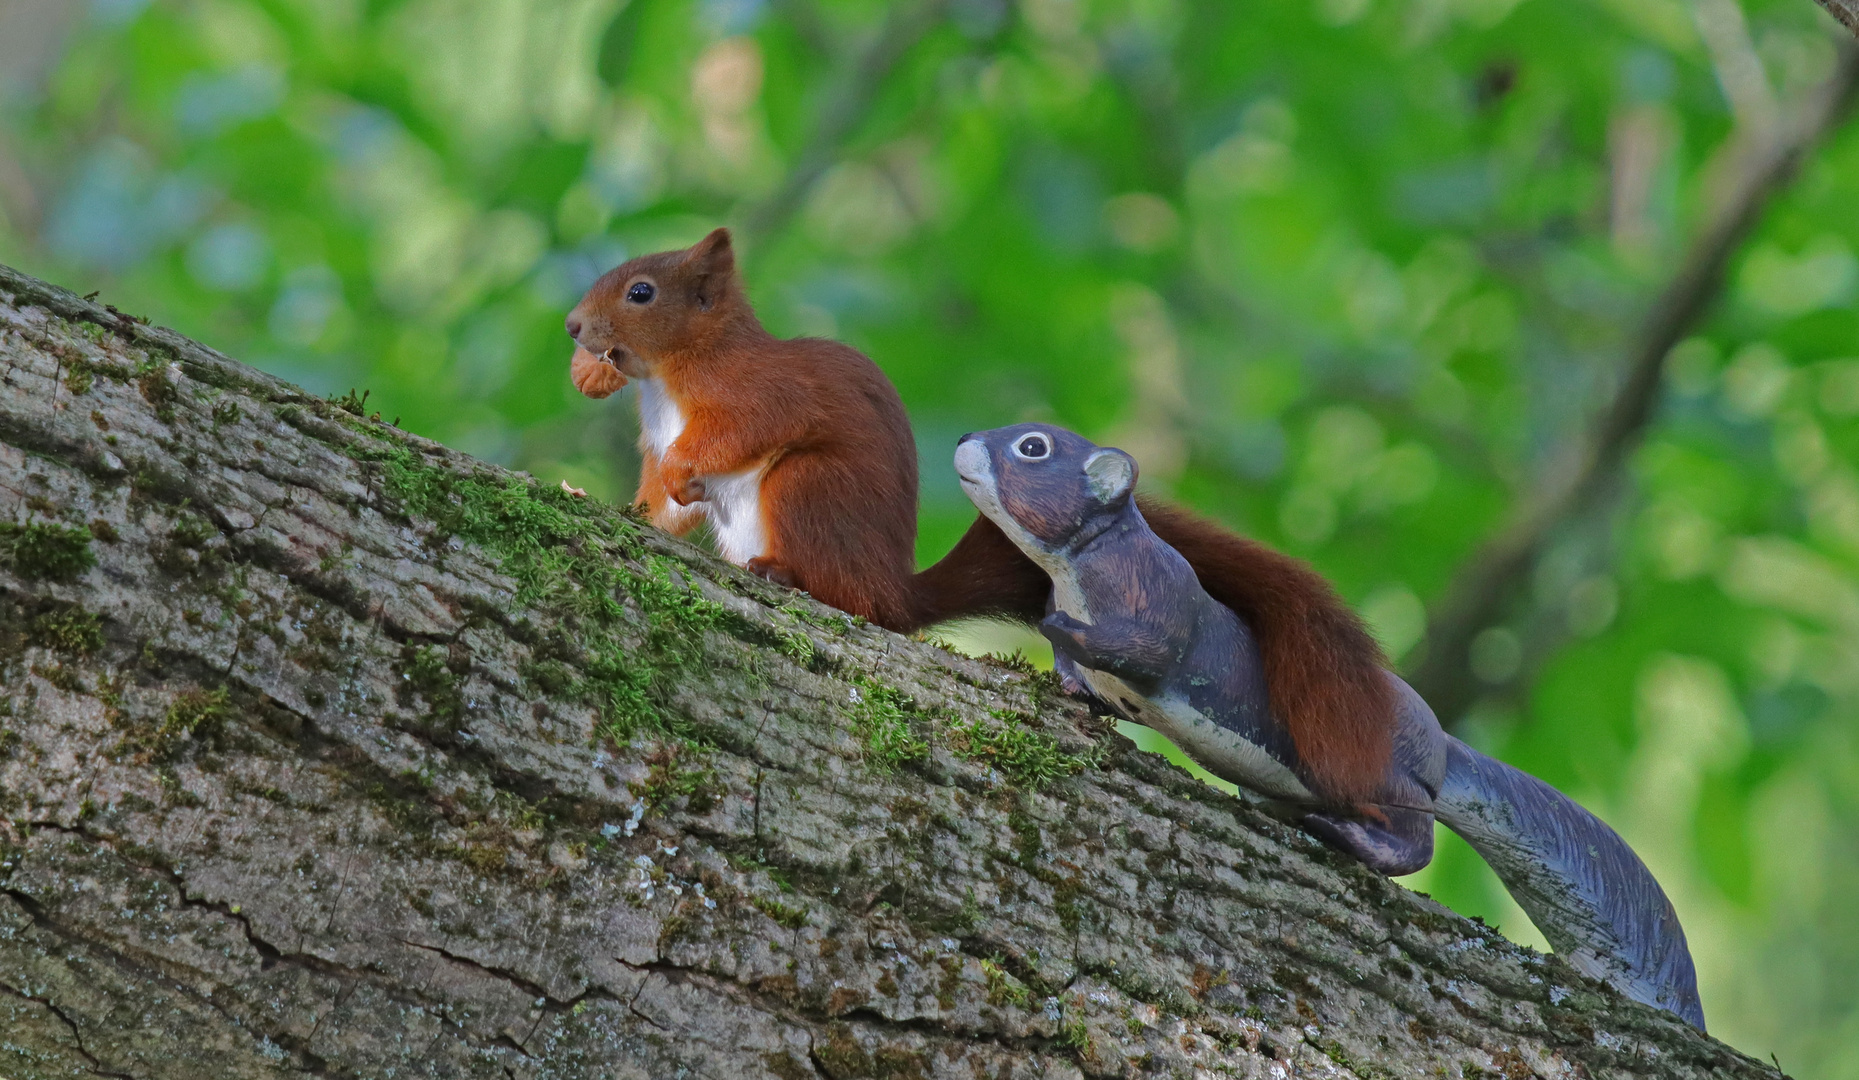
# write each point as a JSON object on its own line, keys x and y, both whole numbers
{"x": 1581, "y": 884}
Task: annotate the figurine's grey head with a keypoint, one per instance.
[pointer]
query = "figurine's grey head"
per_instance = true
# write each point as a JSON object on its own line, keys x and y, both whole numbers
{"x": 1047, "y": 488}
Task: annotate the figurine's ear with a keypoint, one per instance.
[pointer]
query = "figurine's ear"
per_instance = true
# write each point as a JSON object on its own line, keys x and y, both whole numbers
{"x": 1111, "y": 473}
{"x": 712, "y": 263}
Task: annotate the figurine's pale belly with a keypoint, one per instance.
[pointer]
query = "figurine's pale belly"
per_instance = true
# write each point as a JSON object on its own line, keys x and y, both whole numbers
{"x": 1219, "y": 750}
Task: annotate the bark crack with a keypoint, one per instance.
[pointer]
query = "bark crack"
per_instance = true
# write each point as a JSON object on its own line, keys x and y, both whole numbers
{"x": 269, "y": 953}
{"x": 543, "y": 999}
{"x": 77, "y": 1038}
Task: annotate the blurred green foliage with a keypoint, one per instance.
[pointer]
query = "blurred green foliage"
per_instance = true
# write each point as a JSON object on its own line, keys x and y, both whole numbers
{"x": 1341, "y": 272}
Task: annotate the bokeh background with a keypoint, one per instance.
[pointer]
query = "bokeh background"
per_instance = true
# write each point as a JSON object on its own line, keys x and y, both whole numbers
{"x": 1356, "y": 276}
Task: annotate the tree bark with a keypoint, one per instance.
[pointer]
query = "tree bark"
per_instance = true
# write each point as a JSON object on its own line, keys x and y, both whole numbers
{"x": 328, "y": 750}
{"x": 1846, "y": 11}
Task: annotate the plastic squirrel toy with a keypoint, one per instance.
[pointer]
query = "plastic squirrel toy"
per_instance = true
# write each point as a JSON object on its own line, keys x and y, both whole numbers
{"x": 1130, "y": 620}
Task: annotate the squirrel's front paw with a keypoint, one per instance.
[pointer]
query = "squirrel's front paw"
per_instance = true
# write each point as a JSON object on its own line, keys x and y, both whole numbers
{"x": 681, "y": 486}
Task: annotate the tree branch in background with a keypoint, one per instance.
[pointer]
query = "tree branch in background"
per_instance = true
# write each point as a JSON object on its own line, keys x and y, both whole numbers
{"x": 1847, "y": 11}
{"x": 1759, "y": 163}
{"x": 904, "y": 26}
{"x": 1739, "y": 69}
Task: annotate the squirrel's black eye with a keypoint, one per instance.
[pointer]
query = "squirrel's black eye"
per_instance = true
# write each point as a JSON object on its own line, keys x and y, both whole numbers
{"x": 642, "y": 292}
{"x": 1033, "y": 447}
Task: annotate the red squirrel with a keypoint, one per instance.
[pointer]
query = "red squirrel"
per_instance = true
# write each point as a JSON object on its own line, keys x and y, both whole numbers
{"x": 799, "y": 454}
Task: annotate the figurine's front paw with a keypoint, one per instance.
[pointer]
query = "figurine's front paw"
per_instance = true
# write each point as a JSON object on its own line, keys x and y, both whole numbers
{"x": 1063, "y": 631}
{"x": 1071, "y": 676}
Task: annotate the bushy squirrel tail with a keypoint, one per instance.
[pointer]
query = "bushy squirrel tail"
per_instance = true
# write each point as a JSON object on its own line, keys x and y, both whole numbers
{"x": 1579, "y": 882}
{"x": 1324, "y": 671}
{"x": 983, "y": 576}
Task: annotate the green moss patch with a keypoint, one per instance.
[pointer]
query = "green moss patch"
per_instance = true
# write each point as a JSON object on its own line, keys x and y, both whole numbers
{"x": 350, "y": 403}
{"x": 1029, "y": 758}
{"x": 193, "y": 714}
{"x": 1003, "y": 988}
{"x": 881, "y": 716}
{"x": 791, "y": 917}
{"x": 430, "y": 671}
{"x": 567, "y": 556}
{"x": 71, "y": 630}
{"x": 157, "y": 387}
{"x": 678, "y": 771}
{"x": 886, "y": 721}
{"x": 43, "y": 551}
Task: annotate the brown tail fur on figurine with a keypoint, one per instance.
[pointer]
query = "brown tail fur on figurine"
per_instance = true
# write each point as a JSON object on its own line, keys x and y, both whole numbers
{"x": 1323, "y": 669}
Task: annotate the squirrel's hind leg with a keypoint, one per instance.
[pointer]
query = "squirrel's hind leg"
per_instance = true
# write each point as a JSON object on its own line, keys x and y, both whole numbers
{"x": 827, "y": 535}
{"x": 1400, "y": 843}
{"x": 774, "y": 570}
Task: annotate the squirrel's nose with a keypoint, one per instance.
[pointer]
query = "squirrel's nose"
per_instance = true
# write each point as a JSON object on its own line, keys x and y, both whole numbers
{"x": 574, "y": 328}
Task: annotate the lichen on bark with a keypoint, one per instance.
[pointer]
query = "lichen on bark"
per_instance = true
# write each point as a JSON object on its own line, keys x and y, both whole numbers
{"x": 345, "y": 754}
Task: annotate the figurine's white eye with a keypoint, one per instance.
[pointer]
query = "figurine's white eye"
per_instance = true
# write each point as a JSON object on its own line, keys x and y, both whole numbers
{"x": 1033, "y": 447}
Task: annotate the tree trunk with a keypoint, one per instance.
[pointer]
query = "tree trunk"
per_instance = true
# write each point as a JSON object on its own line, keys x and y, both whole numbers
{"x": 328, "y": 750}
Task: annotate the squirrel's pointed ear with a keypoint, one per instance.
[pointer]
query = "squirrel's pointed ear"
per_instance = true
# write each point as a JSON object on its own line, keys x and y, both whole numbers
{"x": 713, "y": 253}
{"x": 712, "y": 262}
{"x": 1111, "y": 474}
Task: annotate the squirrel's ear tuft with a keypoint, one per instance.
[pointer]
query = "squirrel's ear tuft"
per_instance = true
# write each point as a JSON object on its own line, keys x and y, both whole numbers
{"x": 1111, "y": 474}
{"x": 713, "y": 253}
{"x": 712, "y": 262}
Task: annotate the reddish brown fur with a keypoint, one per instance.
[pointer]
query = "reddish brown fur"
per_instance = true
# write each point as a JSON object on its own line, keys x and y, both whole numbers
{"x": 983, "y": 574}
{"x": 840, "y": 491}
{"x": 1324, "y": 672}
{"x": 839, "y": 494}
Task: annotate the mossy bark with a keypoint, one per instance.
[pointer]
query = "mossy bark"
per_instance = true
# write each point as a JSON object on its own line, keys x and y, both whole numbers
{"x": 327, "y": 750}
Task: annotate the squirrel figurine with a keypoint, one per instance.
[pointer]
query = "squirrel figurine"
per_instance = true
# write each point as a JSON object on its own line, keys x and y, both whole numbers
{"x": 799, "y": 454}
{"x": 1131, "y": 615}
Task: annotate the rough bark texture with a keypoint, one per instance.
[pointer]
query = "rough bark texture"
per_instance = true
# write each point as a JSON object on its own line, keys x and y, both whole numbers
{"x": 327, "y": 750}
{"x": 1847, "y": 11}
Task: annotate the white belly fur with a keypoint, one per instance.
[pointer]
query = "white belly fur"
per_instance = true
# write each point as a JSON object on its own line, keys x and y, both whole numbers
{"x": 660, "y": 419}
{"x": 735, "y": 510}
{"x": 734, "y": 503}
